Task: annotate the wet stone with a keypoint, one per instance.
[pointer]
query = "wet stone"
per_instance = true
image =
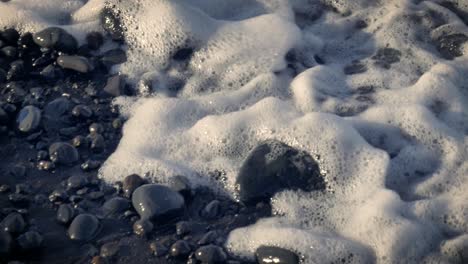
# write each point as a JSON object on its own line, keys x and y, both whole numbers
{"x": 56, "y": 112}
{"x": 30, "y": 240}
{"x": 56, "y": 38}
{"x": 180, "y": 248}
{"x": 90, "y": 165}
{"x": 96, "y": 128}
{"x": 45, "y": 165}
{"x": 110, "y": 249}
{"x": 450, "y": 46}
{"x": 158, "y": 249}
{"x": 4, "y": 188}
{"x": 355, "y": 68}
{"x": 84, "y": 227}
{"x": 19, "y": 199}
{"x": 95, "y": 195}
{"x": 115, "y": 206}
{"x": 82, "y": 111}
{"x": 143, "y": 227}
{"x": 211, "y": 254}
{"x": 94, "y": 40}
{"x": 63, "y": 153}
{"x": 208, "y": 238}
{"x": 111, "y": 23}
{"x": 5, "y": 242}
{"x": 79, "y": 141}
{"x": 181, "y": 185}
{"x": 77, "y": 182}
{"x": 17, "y": 71}
{"x": 50, "y": 72}
{"x": 183, "y": 228}
{"x": 212, "y": 209}
{"x": 114, "y": 86}
{"x": 97, "y": 143}
{"x": 157, "y": 202}
{"x": 113, "y": 57}
{"x": 58, "y": 196}
{"x": 28, "y": 119}
{"x": 14, "y": 223}
{"x": 273, "y": 166}
{"x": 65, "y": 213}
{"x": 75, "y": 63}
{"x": 386, "y": 56}
{"x": 271, "y": 254}
{"x": 130, "y": 183}
{"x": 9, "y": 52}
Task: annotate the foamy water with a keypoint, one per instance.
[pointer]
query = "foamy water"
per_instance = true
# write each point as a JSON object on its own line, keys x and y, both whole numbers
{"x": 392, "y": 143}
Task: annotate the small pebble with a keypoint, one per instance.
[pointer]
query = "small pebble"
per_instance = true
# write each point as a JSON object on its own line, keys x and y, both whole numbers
{"x": 76, "y": 63}
{"x": 63, "y": 153}
{"x": 65, "y": 213}
{"x": 130, "y": 183}
{"x": 142, "y": 227}
{"x": 180, "y": 248}
{"x": 14, "y": 223}
{"x": 110, "y": 249}
{"x": 211, "y": 254}
{"x": 158, "y": 249}
{"x": 84, "y": 227}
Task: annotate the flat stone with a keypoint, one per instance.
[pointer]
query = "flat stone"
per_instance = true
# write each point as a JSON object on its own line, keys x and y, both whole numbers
{"x": 76, "y": 63}
{"x": 157, "y": 202}
{"x": 271, "y": 254}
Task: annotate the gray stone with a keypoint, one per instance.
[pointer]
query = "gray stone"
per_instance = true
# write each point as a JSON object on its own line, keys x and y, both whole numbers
{"x": 115, "y": 206}
{"x": 63, "y": 153}
{"x": 157, "y": 202}
{"x": 84, "y": 227}
{"x": 65, "y": 213}
{"x": 271, "y": 254}
{"x": 76, "y": 63}
{"x": 29, "y": 119}
{"x": 56, "y": 38}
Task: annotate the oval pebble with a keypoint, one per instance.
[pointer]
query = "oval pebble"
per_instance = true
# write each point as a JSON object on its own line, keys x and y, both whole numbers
{"x": 84, "y": 227}
{"x": 28, "y": 119}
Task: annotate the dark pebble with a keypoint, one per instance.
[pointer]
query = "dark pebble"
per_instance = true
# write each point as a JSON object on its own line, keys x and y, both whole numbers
{"x": 110, "y": 249}
{"x": 28, "y": 119}
{"x": 17, "y": 71}
{"x": 56, "y": 112}
{"x": 95, "y": 195}
{"x": 271, "y": 254}
{"x": 77, "y": 182}
{"x": 386, "y": 56}
{"x": 273, "y": 166}
{"x": 5, "y": 242}
{"x": 114, "y": 86}
{"x": 3, "y": 74}
{"x": 42, "y": 61}
{"x": 355, "y": 68}
{"x": 79, "y": 141}
{"x": 183, "y": 228}
{"x": 96, "y": 128}
{"x": 19, "y": 199}
{"x": 82, "y": 111}
{"x": 63, "y": 153}
{"x": 208, "y": 238}
{"x": 183, "y": 54}
{"x": 75, "y": 63}
{"x": 157, "y": 202}
{"x": 113, "y": 57}
{"x": 50, "y": 72}
{"x": 84, "y": 227}
{"x": 97, "y": 142}
{"x": 65, "y": 213}
{"x": 4, "y": 188}
{"x": 94, "y": 40}
{"x": 449, "y": 46}
{"x": 130, "y": 183}
{"x": 111, "y": 24}
{"x": 90, "y": 165}
{"x": 56, "y": 38}
{"x": 9, "y": 52}
{"x": 115, "y": 206}
{"x": 158, "y": 249}
{"x": 180, "y": 248}
{"x": 211, "y": 254}
{"x": 45, "y": 165}
{"x": 10, "y": 35}
{"x": 58, "y": 196}
{"x": 143, "y": 227}
{"x": 212, "y": 209}
{"x": 30, "y": 240}
{"x": 14, "y": 223}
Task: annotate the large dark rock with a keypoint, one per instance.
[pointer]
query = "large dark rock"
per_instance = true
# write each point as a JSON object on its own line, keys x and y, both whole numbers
{"x": 56, "y": 38}
{"x": 157, "y": 202}
{"x": 271, "y": 254}
{"x": 273, "y": 166}
{"x": 84, "y": 227}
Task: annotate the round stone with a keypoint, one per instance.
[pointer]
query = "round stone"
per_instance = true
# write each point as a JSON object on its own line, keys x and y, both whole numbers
{"x": 180, "y": 248}
{"x": 271, "y": 254}
{"x": 30, "y": 240}
{"x": 65, "y": 213}
{"x": 115, "y": 206}
{"x": 14, "y": 223}
{"x": 157, "y": 202}
{"x": 84, "y": 227}
{"x": 110, "y": 249}
{"x": 56, "y": 38}
{"x": 211, "y": 254}
{"x": 143, "y": 227}
{"x": 63, "y": 153}
{"x": 77, "y": 181}
{"x": 28, "y": 119}
{"x": 273, "y": 166}
{"x": 130, "y": 183}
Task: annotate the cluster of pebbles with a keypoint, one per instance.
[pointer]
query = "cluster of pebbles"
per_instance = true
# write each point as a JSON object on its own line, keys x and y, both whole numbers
{"x": 57, "y": 125}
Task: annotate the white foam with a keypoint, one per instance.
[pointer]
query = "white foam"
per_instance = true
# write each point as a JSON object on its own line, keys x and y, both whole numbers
{"x": 395, "y": 168}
